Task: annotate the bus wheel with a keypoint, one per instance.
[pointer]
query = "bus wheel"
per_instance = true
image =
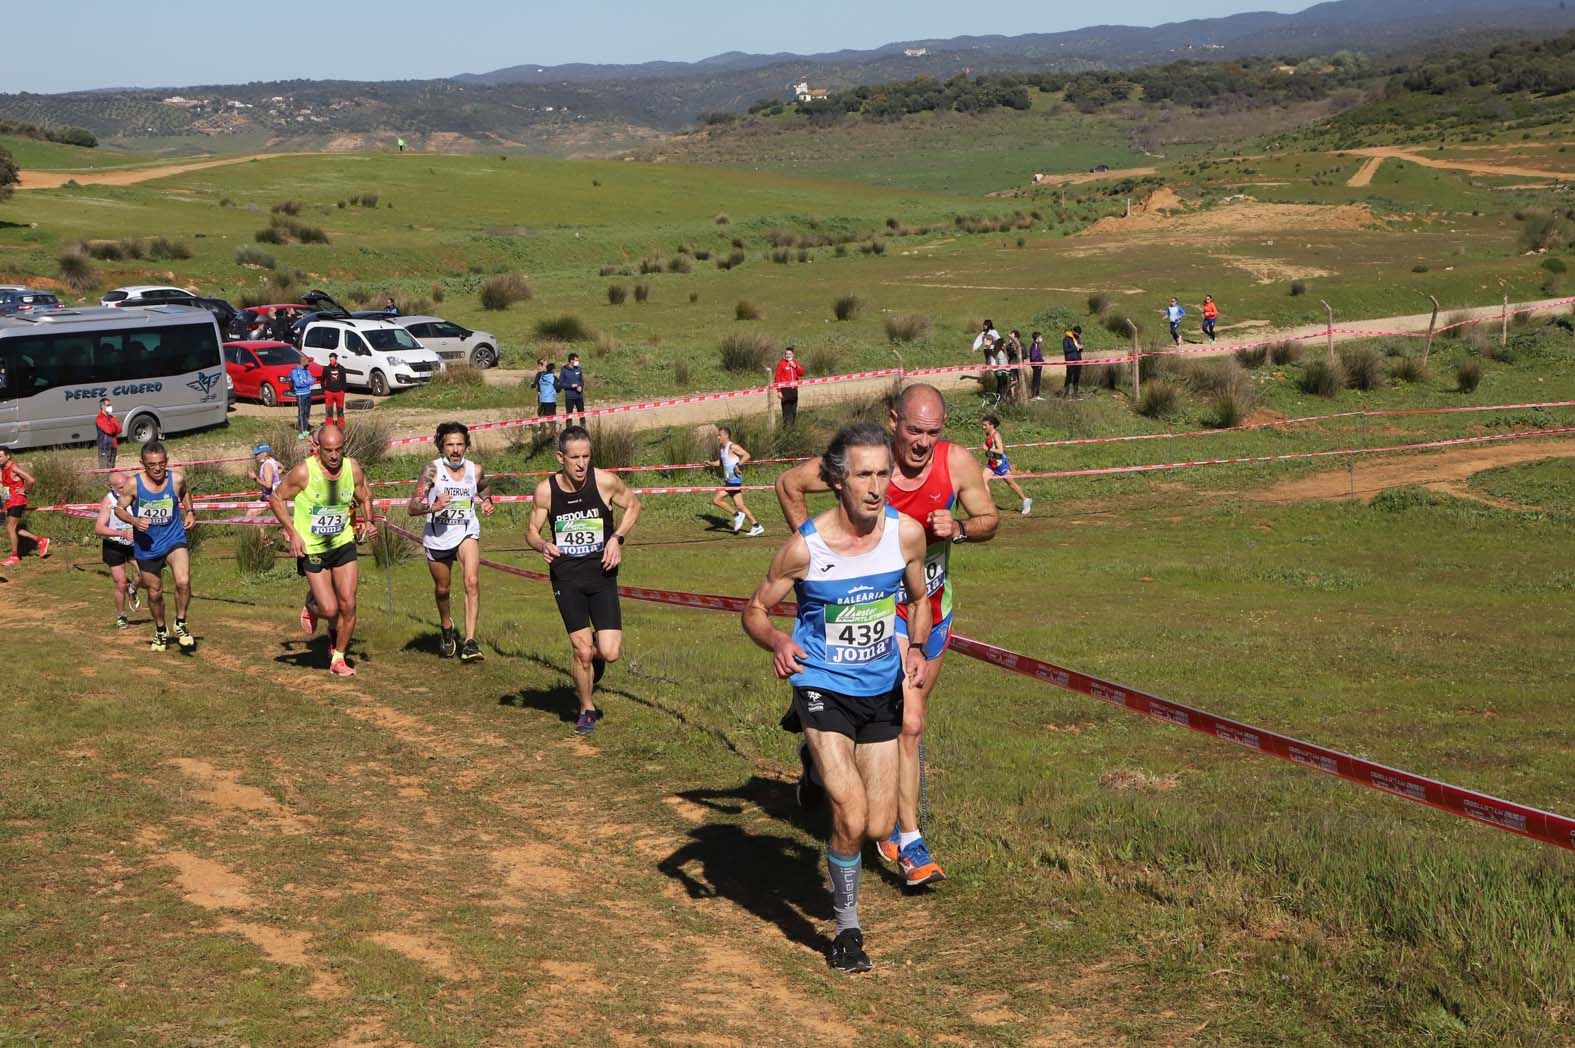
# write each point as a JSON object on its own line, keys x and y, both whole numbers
{"x": 142, "y": 428}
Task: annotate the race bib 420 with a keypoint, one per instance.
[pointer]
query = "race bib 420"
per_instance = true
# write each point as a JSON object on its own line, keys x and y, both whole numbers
{"x": 157, "y": 511}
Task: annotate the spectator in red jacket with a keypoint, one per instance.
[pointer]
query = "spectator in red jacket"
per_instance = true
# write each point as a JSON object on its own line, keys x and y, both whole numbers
{"x": 786, "y": 379}
{"x": 108, "y": 434}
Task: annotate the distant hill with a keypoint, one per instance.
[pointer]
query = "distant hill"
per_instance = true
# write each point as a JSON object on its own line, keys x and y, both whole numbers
{"x": 587, "y": 108}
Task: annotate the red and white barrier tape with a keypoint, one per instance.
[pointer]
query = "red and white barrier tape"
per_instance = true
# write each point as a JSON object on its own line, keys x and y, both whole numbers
{"x": 1522, "y": 819}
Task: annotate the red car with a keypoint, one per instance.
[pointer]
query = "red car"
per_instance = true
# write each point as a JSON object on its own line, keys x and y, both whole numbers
{"x": 261, "y": 371}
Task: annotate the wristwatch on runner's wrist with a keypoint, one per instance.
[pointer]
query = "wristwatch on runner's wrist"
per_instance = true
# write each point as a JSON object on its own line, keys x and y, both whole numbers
{"x": 621, "y": 538}
{"x": 962, "y": 533}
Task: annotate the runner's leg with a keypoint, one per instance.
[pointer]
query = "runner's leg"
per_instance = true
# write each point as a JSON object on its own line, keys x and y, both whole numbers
{"x": 320, "y": 592}
{"x": 118, "y": 573}
{"x": 583, "y": 646}
{"x": 738, "y": 500}
{"x": 153, "y": 586}
{"x": 915, "y": 704}
{"x": 469, "y": 558}
{"x": 441, "y": 577}
{"x": 346, "y": 580}
{"x": 180, "y": 571}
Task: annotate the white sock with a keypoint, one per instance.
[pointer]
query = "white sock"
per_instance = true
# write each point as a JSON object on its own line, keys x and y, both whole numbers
{"x": 904, "y": 838}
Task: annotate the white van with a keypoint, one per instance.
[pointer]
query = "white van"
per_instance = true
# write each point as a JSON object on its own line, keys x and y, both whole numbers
{"x": 376, "y": 355}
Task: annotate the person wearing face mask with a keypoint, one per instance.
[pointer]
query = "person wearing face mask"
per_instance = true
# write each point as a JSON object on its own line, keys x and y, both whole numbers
{"x": 786, "y": 378}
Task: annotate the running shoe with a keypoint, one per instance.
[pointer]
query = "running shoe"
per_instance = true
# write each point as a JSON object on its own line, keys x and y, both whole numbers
{"x": 738, "y": 522}
{"x": 810, "y": 793}
{"x": 586, "y": 722}
{"x": 448, "y": 645}
{"x": 308, "y": 619}
{"x": 183, "y": 636}
{"x": 918, "y": 866}
{"x": 161, "y": 641}
{"x": 1028, "y": 505}
{"x": 890, "y": 849}
{"x": 43, "y": 548}
{"x": 340, "y": 668}
{"x": 598, "y": 671}
{"x": 9, "y": 561}
{"x": 133, "y": 599}
{"x": 847, "y": 952}
{"x": 471, "y": 651}
{"x": 758, "y": 529}
{"x": 121, "y": 623}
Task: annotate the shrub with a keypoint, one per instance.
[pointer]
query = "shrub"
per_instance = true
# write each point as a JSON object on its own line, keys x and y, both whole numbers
{"x": 749, "y": 351}
{"x": 1213, "y": 376}
{"x": 781, "y": 256}
{"x": 610, "y": 271}
{"x": 847, "y": 307}
{"x": 841, "y": 251}
{"x": 77, "y": 272}
{"x": 359, "y": 296}
{"x": 1468, "y": 375}
{"x": 702, "y": 255}
{"x": 1555, "y": 265}
{"x": 822, "y": 360}
{"x": 1456, "y": 324}
{"x": 58, "y": 477}
{"x": 681, "y": 376}
{"x": 616, "y": 294}
{"x": 694, "y": 296}
{"x": 107, "y": 250}
{"x": 1407, "y": 369}
{"x": 503, "y": 290}
{"x": 246, "y": 255}
{"x": 1285, "y": 352}
{"x": 1230, "y": 408}
{"x": 566, "y": 328}
{"x": 254, "y": 551}
{"x": 1252, "y": 356}
{"x": 165, "y": 248}
{"x": 1098, "y": 302}
{"x": 747, "y": 310}
{"x": 680, "y": 264}
{"x": 1501, "y": 353}
{"x": 1323, "y": 378}
{"x": 602, "y": 345}
{"x": 1298, "y": 288}
{"x": 906, "y": 327}
{"x": 1116, "y": 324}
{"x": 722, "y": 219}
{"x": 390, "y": 551}
{"x": 270, "y": 235}
{"x": 1102, "y": 376}
{"x": 366, "y": 438}
{"x": 683, "y": 444}
{"x": 1419, "y": 268}
{"x": 803, "y": 254}
{"x": 650, "y": 265}
{"x": 412, "y": 305}
{"x": 438, "y": 293}
{"x": 642, "y": 292}
{"x": 458, "y": 375}
{"x": 311, "y": 234}
{"x": 734, "y": 259}
{"x": 1363, "y": 366}
{"x": 287, "y": 207}
{"x": 1161, "y": 398}
{"x": 365, "y": 200}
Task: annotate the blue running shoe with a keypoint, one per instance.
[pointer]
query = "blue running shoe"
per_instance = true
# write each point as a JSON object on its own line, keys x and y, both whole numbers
{"x": 918, "y": 866}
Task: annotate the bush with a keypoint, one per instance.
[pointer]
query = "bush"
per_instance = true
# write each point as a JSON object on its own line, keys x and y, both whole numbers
{"x": 77, "y": 272}
{"x": 611, "y": 271}
{"x": 702, "y": 255}
{"x": 438, "y": 293}
{"x": 165, "y": 248}
{"x": 747, "y": 310}
{"x": 254, "y": 553}
{"x": 1419, "y": 268}
{"x": 650, "y": 265}
{"x": 503, "y": 290}
{"x": 1116, "y": 324}
{"x": 680, "y": 264}
{"x": 1230, "y": 408}
{"x": 1098, "y": 302}
{"x": 458, "y": 375}
{"x": 616, "y": 294}
{"x": 694, "y": 296}
{"x": 366, "y": 438}
{"x": 803, "y": 254}
{"x": 311, "y": 234}
{"x": 602, "y": 345}
{"x": 781, "y": 256}
{"x": 614, "y": 446}
{"x": 642, "y": 292}
{"x": 1363, "y": 366}
{"x": 412, "y": 305}
{"x": 1456, "y": 324}
{"x": 722, "y": 219}
{"x": 287, "y": 207}
{"x": 683, "y": 444}
{"x": 906, "y": 327}
{"x": 1555, "y": 265}
{"x": 1102, "y": 376}
{"x": 358, "y": 296}
{"x": 246, "y": 255}
{"x": 734, "y": 259}
{"x": 567, "y": 328}
{"x": 847, "y": 307}
{"x": 1323, "y": 378}
{"x": 822, "y": 360}
{"x": 1252, "y": 356}
{"x": 1161, "y": 398}
{"x": 681, "y": 376}
{"x": 270, "y": 235}
{"x": 1468, "y": 375}
{"x": 1407, "y": 369}
{"x": 1298, "y": 288}
{"x": 1285, "y": 352}
{"x": 1213, "y": 376}
{"x": 750, "y": 351}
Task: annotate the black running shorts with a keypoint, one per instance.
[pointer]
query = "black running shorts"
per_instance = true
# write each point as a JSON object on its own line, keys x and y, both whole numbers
{"x": 586, "y": 605}
{"x": 116, "y": 553}
{"x": 334, "y": 558}
{"x": 155, "y": 565}
{"x": 862, "y": 718}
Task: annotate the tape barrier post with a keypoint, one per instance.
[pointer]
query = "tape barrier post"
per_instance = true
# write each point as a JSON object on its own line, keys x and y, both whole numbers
{"x": 1539, "y": 825}
{"x": 1432, "y": 325}
{"x": 1330, "y": 311}
{"x": 1137, "y": 362}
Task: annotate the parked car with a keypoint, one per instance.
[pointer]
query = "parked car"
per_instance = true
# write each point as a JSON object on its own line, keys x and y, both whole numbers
{"x": 451, "y": 341}
{"x": 22, "y": 301}
{"x": 260, "y": 370}
{"x": 377, "y": 356}
{"x": 229, "y": 318}
{"x": 147, "y": 295}
{"x": 229, "y": 391}
{"x": 259, "y": 319}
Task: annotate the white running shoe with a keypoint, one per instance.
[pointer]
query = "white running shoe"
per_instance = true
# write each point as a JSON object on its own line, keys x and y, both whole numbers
{"x": 1028, "y": 504}
{"x": 738, "y": 522}
{"x": 758, "y": 529}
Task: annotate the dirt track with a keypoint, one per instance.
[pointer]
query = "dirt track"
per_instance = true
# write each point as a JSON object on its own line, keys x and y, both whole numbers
{"x": 126, "y": 176}
{"x": 1379, "y": 154}
{"x": 1079, "y": 177}
{"x": 1447, "y": 470}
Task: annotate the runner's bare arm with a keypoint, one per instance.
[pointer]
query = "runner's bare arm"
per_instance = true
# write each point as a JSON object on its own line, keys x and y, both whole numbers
{"x": 538, "y": 517}
{"x": 983, "y": 518}
{"x": 363, "y": 498}
{"x": 188, "y": 512}
{"x": 125, "y": 495}
{"x": 793, "y": 485}
{"x": 418, "y": 500}
{"x": 742, "y": 453}
{"x": 620, "y": 496}
{"x": 789, "y": 565}
{"x": 101, "y": 525}
{"x": 914, "y": 541}
{"x": 484, "y": 492}
{"x": 27, "y": 478}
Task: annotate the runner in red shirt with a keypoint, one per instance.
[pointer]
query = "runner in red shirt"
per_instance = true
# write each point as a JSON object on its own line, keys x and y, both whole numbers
{"x": 1211, "y": 314}
{"x": 108, "y": 427}
{"x": 932, "y": 477}
{"x": 14, "y": 482}
{"x": 786, "y": 378}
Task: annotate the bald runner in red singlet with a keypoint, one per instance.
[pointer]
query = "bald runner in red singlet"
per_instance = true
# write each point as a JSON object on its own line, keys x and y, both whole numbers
{"x": 933, "y": 477}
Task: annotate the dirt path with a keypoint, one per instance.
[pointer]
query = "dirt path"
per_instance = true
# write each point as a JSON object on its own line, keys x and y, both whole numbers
{"x": 1364, "y": 174}
{"x": 1079, "y": 177}
{"x": 1381, "y": 153}
{"x": 1441, "y": 470}
{"x": 126, "y": 176}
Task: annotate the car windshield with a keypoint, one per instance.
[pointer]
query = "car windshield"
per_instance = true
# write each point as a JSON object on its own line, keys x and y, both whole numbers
{"x": 389, "y": 339}
{"x": 277, "y": 355}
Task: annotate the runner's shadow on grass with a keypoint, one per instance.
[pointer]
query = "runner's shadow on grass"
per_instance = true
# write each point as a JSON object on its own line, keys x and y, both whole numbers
{"x": 560, "y": 699}
{"x": 427, "y": 643}
{"x": 312, "y": 654}
{"x": 776, "y": 798}
{"x": 715, "y": 523}
{"x": 775, "y": 878}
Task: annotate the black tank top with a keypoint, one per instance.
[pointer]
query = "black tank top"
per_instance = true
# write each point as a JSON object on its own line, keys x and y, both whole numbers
{"x": 582, "y": 525}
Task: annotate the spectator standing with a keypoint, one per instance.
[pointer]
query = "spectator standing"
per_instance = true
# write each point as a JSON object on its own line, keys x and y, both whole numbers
{"x": 281, "y": 325}
{"x": 108, "y": 434}
{"x": 1036, "y": 358}
{"x": 572, "y": 381}
{"x": 1001, "y": 362}
{"x": 301, "y": 385}
{"x": 334, "y": 383}
{"x": 1173, "y": 314}
{"x": 1211, "y": 313}
{"x": 389, "y": 307}
{"x": 786, "y": 378}
{"x": 1072, "y": 350}
{"x": 984, "y": 342}
{"x": 547, "y": 396}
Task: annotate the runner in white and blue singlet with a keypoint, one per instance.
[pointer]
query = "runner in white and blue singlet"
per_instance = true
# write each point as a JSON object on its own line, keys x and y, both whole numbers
{"x": 731, "y": 457}
{"x": 453, "y": 507}
{"x": 847, "y": 567}
{"x": 158, "y": 506}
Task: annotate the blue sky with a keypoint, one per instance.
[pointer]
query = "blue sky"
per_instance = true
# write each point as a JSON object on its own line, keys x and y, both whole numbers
{"x": 96, "y": 43}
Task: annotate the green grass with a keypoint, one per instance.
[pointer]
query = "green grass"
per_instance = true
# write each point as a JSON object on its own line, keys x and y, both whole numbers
{"x": 38, "y": 155}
